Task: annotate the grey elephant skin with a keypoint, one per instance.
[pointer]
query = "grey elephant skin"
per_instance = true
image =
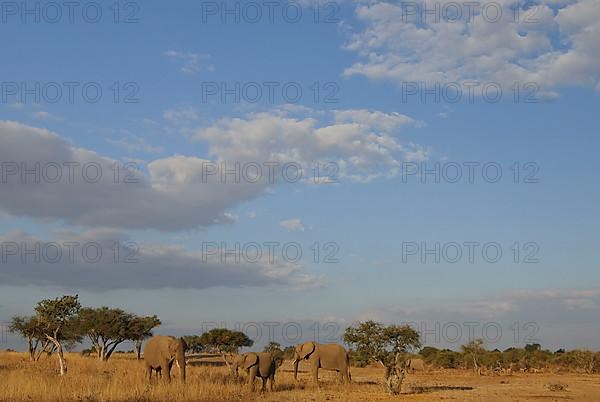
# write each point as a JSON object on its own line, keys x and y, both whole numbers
{"x": 415, "y": 365}
{"x": 256, "y": 364}
{"x": 325, "y": 356}
{"x": 161, "y": 352}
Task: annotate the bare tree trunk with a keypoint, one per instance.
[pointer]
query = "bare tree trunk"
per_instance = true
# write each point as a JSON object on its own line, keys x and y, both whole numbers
{"x": 50, "y": 351}
{"x": 44, "y": 348}
{"x": 61, "y": 357}
{"x": 476, "y": 366}
{"x": 394, "y": 374}
{"x": 32, "y": 349}
{"x": 110, "y": 350}
{"x": 138, "y": 349}
{"x": 102, "y": 353}
{"x": 61, "y": 360}
{"x": 224, "y": 356}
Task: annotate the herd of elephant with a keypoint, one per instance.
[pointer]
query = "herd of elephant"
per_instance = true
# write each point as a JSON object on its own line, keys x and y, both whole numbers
{"x": 162, "y": 352}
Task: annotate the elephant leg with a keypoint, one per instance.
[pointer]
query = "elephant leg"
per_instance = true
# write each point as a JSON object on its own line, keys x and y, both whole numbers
{"x": 264, "y": 384}
{"x": 271, "y": 382}
{"x": 345, "y": 377}
{"x": 252, "y": 376}
{"x": 149, "y": 374}
{"x": 167, "y": 368}
{"x": 315, "y": 374}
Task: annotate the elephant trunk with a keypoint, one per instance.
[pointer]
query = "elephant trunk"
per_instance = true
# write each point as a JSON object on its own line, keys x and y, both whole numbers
{"x": 181, "y": 363}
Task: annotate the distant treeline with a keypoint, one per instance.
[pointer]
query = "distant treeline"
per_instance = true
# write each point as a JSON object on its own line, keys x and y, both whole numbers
{"x": 61, "y": 323}
{"x": 531, "y": 358}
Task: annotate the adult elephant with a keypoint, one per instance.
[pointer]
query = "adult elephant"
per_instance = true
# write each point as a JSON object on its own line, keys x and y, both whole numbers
{"x": 160, "y": 354}
{"x": 415, "y": 365}
{"x": 256, "y": 364}
{"x": 328, "y": 356}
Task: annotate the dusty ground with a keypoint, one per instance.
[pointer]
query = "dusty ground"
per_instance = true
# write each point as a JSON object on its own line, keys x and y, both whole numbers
{"x": 122, "y": 379}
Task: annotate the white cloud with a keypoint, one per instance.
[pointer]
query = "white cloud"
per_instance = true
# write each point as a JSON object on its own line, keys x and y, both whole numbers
{"x": 42, "y": 115}
{"x": 181, "y": 115}
{"x": 180, "y": 120}
{"x": 174, "y": 194}
{"x": 561, "y": 48}
{"x": 374, "y": 119}
{"x": 363, "y": 144}
{"x": 233, "y": 218}
{"x": 191, "y": 61}
{"x": 292, "y": 225}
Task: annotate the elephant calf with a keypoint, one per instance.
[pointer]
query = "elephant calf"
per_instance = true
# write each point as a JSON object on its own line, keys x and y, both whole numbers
{"x": 256, "y": 364}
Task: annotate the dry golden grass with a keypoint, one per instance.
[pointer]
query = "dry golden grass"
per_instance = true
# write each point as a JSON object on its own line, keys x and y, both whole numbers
{"x": 122, "y": 379}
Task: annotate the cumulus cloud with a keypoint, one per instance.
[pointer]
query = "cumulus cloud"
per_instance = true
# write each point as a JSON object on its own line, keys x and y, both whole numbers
{"x": 135, "y": 266}
{"x": 42, "y": 115}
{"x": 192, "y": 62}
{"x": 181, "y": 115}
{"x": 553, "y": 44}
{"x": 79, "y": 186}
{"x": 173, "y": 195}
{"x": 363, "y": 144}
{"x": 292, "y": 225}
{"x": 387, "y": 122}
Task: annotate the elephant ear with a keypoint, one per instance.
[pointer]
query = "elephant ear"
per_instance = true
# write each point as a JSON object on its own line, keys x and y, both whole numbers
{"x": 173, "y": 347}
{"x": 307, "y": 349}
{"x": 250, "y": 360}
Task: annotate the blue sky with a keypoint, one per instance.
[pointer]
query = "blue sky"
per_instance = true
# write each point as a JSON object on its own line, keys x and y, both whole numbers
{"x": 170, "y": 55}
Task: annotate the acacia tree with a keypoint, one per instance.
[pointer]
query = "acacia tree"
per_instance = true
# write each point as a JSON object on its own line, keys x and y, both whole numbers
{"x": 473, "y": 350}
{"x": 384, "y": 345}
{"x": 194, "y": 343}
{"x": 105, "y": 328}
{"x": 274, "y": 349}
{"x": 224, "y": 341}
{"x": 58, "y": 323}
{"x": 140, "y": 329}
{"x": 288, "y": 352}
{"x": 29, "y": 328}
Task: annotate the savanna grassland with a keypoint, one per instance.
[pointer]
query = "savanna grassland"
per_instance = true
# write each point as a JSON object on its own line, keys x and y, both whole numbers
{"x": 122, "y": 379}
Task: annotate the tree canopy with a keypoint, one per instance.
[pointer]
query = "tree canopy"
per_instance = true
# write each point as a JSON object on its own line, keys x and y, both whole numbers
{"x": 58, "y": 322}
{"x": 223, "y": 340}
{"x": 30, "y": 329}
{"x": 105, "y": 328}
{"x": 376, "y": 342}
